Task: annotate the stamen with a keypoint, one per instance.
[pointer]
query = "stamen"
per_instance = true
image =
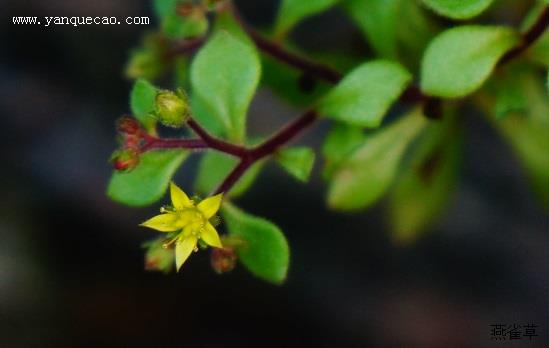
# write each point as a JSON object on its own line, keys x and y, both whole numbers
{"x": 167, "y": 209}
{"x": 170, "y": 242}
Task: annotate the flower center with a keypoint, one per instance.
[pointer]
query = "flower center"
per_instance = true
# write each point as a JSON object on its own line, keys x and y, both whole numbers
{"x": 192, "y": 221}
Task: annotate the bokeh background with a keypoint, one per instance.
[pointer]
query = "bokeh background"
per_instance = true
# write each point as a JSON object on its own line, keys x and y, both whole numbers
{"x": 71, "y": 266}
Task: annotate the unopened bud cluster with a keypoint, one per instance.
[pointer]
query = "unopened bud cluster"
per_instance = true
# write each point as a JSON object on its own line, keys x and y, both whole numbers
{"x": 127, "y": 157}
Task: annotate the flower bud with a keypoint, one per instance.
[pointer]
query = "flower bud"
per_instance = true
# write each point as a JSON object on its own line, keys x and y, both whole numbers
{"x": 172, "y": 109}
{"x": 185, "y": 9}
{"x": 157, "y": 257}
{"x": 125, "y": 160}
{"x": 128, "y": 126}
{"x": 223, "y": 260}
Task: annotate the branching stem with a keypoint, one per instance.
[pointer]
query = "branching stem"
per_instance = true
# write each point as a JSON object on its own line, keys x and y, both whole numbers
{"x": 249, "y": 156}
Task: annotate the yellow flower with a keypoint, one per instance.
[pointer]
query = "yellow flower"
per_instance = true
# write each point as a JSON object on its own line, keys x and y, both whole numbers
{"x": 188, "y": 222}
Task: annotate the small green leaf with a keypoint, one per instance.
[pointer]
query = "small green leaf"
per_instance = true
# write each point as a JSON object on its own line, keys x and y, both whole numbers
{"x": 292, "y": 12}
{"x": 378, "y": 21}
{"x": 363, "y": 97}
{"x": 142, "y": 102}
{"x": 162, "y": 8}
{"x": 365, "y": 175}
{"x": 265, "y": 251}
{"x": 458, "y": 61}
{"x": 458, "y": 9}
{"x": 528, "y": 134}
{"x": 341, "y": 140}
{"x": 224, "y": 77}
{"x": 415, "y": 30}
{"x": 225, "y": 21}
{"x": 148, "y": 181}
{"x": 215, "y": 166}
{"x": 298, "y": 161}
{"x": 179, "y": 27}
{"x": 531, "y": 144}
{"x": 424, "y": 189}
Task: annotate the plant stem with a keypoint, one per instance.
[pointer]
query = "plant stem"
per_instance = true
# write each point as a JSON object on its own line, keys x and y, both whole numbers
{"x": 249, "y": 156}
{"x": 217, "y": 144}
{"x": 152, "y": 143}
{"x": 267, "y": 148}
{"x": 529, "y": 37}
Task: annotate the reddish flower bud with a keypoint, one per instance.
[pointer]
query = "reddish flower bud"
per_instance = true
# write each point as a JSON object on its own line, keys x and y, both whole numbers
{"x": 185, "y": 9}
{"x": 223, "y": 260}
{"x": 125, "y": 160}
{"x": 132, "y": 142}
{"x": 128, "y": 125}
{"x": 158, "y": 258}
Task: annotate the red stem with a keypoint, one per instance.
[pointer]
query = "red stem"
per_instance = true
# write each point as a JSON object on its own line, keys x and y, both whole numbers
{"x": 529, "y": 37}
{"x": 152, "y": 143}
{"x": 291, "y": 131}
{"x": 216, "y": 144}
{"x": 249, "y": 156}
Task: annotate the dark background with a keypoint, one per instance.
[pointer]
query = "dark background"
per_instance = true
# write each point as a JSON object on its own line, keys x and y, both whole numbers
{"x": 71, "y": 267}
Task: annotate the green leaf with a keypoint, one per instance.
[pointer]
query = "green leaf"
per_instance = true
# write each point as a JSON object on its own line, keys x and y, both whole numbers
{"x": 365, "y": 175}
{"x": 142, "y": 102}
{"x": 265, "y": 251}
{"x": 528, "y": 134}
{"x": 225, "y": 21}
{"x": 292, "y": 12}
{"x": 178, "y": 27}
{"x": 215, "y": 166}
{"x": 414, "y": 31}
{"x": 378, "y": 21}
{"x": 458, "y": 9}
{"x": 341, "y": 140}
{"x": 363, "y": 97}
{"x": 224, "y": 78}
{"x": 424, "y": 189}
{"x": 531, "y": 144}
{"x": 298, "y": 161}
{"x": 149, "y": 180}
{"x": 162, "y": 8}
{"x": 458, "y": 61}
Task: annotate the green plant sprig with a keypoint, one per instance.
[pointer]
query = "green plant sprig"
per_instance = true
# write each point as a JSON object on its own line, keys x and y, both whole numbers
{"x": 249, "y": 156}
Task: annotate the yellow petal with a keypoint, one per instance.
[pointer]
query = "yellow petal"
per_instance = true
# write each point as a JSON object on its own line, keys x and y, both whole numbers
{"x": 183, "y": 249}
{"x": 210, "y": 205}
{"x": 180, "y": 200}
{"x": 162, "y": 223}
{"x": 210, "y": 236}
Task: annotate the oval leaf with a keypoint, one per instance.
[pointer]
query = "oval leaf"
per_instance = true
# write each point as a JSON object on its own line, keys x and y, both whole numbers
{"x": 162, "y": 8}
{"x": 298, "y": 161}
{"x": 378, "y": 21}
{"x": 458, "y": 61}
{"x": 363, "y": 97}
{"x": 224, "y": 77}
{"x": 149, "y": 180}
{"x": 341, "y": 140}
{"x": 142, "y": 102}
{"x": 265, "y": 251}
{"x": 422, "y": 192}
{"x": 293, "y": 11}
{"x": 528, "y": 134}
{"x": 178, "y": 27}
{"x": 458, "y": 9}
{"x": 365, "y": 175}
